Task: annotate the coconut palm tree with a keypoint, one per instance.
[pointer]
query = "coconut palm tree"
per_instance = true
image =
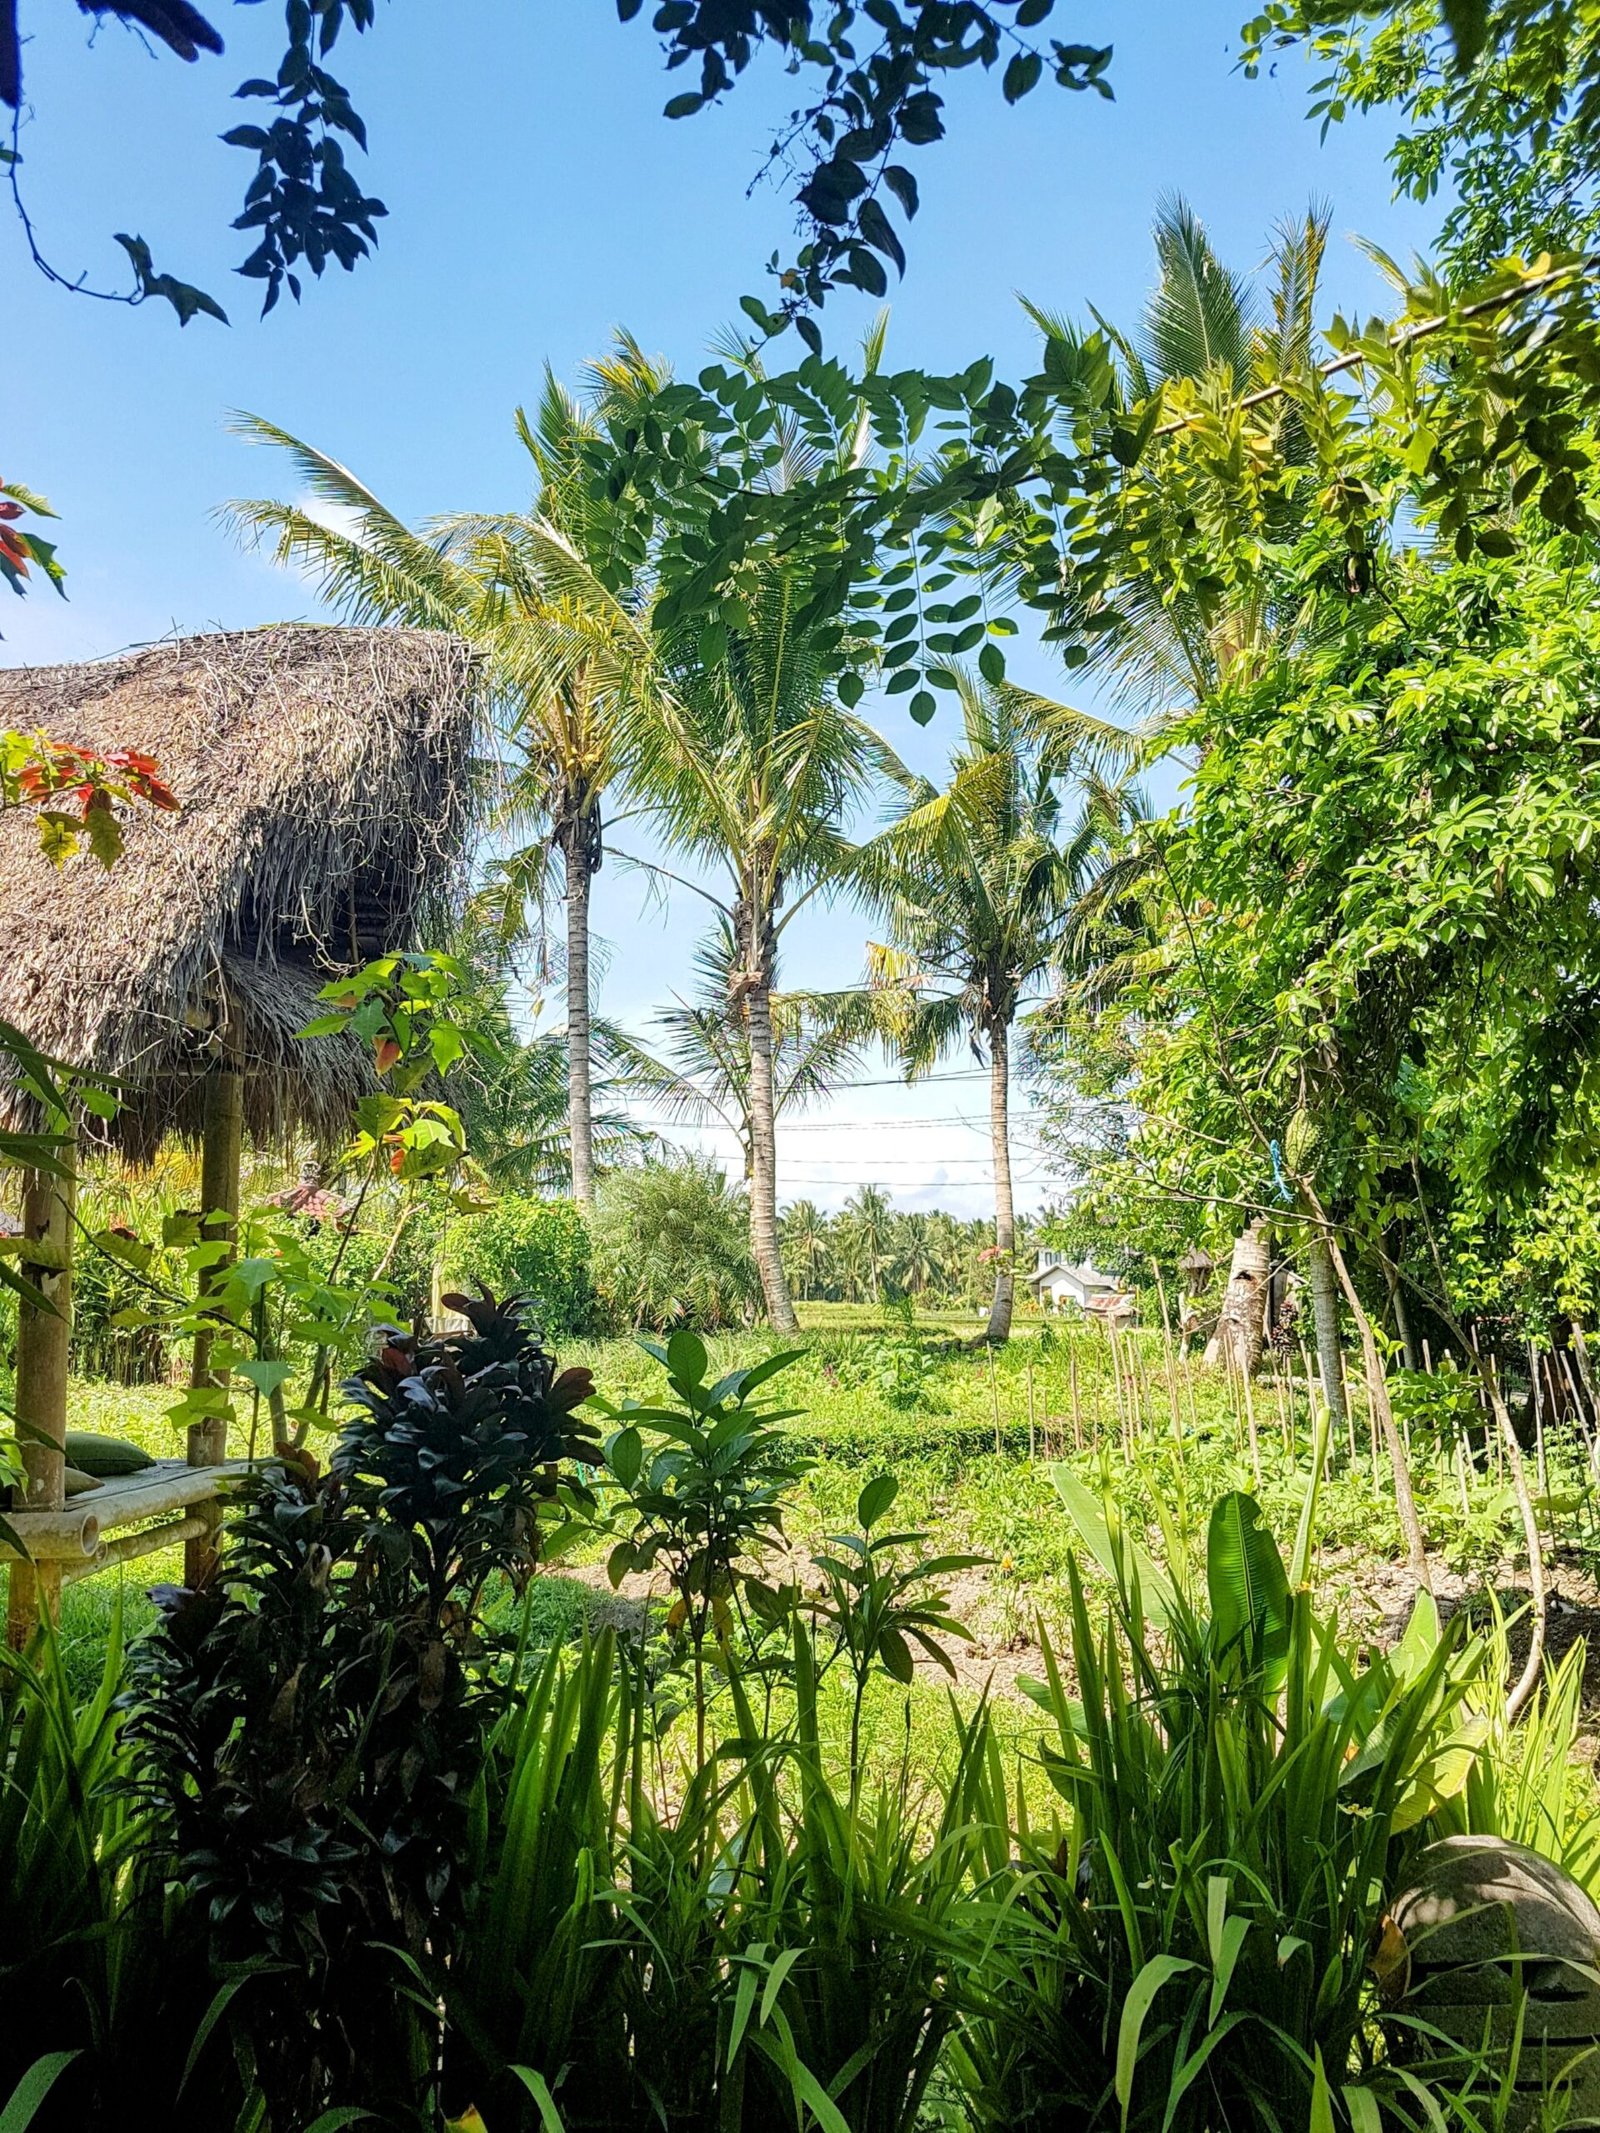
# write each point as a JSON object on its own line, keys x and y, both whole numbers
{"x": 563, "y": 654}
{"x": 806, "y": 1237}
{"x": 985, "y": 887}
{"x": 754, "y": 765}
{"x": 1164, "y": 638}
{"x": 914, "y": 1262}
{"x": 700, "y": 1068}
{"x": 1207, "y": 341}
{"x": 866, "y": 1237}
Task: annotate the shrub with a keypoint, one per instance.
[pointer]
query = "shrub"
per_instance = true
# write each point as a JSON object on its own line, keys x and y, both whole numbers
{"x": 533, "y": 1248}
{"x": 313, "y": 1721}
{"x": 672, "y": 1247}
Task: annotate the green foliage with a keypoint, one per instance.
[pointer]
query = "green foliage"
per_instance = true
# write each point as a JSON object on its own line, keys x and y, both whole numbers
{"x": 704, "y": 1483}
{"x": 311, "y": 1723}
{"x": 539, "y": 1249}
{"x": 881, "y": 1594}
{"x": 1496, "y": 99}
{"x": 671, "y": 1247}
{"x": 1199, "y": 1945}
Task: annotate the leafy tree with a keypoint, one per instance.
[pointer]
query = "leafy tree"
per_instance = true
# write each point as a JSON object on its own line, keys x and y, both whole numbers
{"x": 805, "y": 1237}
{"x": 563, "y": 656}
{"x": 985, "y": 887}
{"x": 671, "y": 1246}
{"x": 870, "y": 102}
{"x": 865, "y": 1234}
{"x": 1498, "y": 105}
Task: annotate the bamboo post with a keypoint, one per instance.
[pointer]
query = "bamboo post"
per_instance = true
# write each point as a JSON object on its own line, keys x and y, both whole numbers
{"x": 221, "y": 1160}
{"x": 43, "y": 1338}
{"x": 1032, "y": 1450}
{"x": 1077, "y": 1413}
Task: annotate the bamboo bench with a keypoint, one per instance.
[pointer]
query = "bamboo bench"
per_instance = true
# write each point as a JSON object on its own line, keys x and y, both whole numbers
{"x": 73, "y": 1542}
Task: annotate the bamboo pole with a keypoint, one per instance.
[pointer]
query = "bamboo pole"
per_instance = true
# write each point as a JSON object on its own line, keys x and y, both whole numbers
{"x": 221, "y": 1160}
{"x": 44, "y": 1334}
{"x": 1032, "y": 1448}
{"x": 1077, "y": 1412}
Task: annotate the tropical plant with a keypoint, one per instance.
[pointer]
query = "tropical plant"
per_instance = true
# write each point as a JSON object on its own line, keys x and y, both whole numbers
{"x": 805, "y": 1236}
{"x": 865, "y": 1232}
{"x": 1196, "y": 1952}
{"x": 880, "y": 1596}
{"x": 672, "y": 1246}
{"x": 699, "y": 1069}
{"x": 754, "y": 761}
{"x": 705, "y": 1483}
{"x": 537, "y": 1249}
{"x": 562, "y": 652}
{"x": 986, "y": 887}
{"x": 312, "y": 1720}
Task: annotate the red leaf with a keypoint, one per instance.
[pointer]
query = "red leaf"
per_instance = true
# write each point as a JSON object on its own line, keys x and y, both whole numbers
{"x": 385, "y": 1052}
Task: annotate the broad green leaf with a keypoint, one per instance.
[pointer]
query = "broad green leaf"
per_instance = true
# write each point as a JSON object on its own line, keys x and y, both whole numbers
{"x": 875, "y": 1499}
{"x": 1246, "y": 1585}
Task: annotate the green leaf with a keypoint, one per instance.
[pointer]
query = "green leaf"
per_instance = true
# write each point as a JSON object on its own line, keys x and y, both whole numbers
{"x": 1158, "y": 1971}
{"x": 625, "y": 1456}
{"x": 875, "y": 1499}
{"x": 686, "y": 1358}
{"x": 537, "y": 2087}
{"x": 1246, "y": 1583}
{"x": 32, "y": 2090}
{"x": 1321, "y": 2118}
{"x": 267, "y": 1375}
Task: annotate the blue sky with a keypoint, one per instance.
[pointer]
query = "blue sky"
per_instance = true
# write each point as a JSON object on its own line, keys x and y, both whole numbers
{"x": 538, "y": 200}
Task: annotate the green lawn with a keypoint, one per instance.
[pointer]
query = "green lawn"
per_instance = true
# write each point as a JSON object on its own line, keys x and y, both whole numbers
{"x": 953, "y": 1424}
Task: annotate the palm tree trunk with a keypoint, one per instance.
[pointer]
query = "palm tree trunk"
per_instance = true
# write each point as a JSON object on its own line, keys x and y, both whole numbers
{"x": 1242, "y": 1322}
{"x": 1005, "y": 1220}
{"x": 764, "y": 1148}
{"x": 1324, "y": 1285}
{"x": 580, "y": 1092}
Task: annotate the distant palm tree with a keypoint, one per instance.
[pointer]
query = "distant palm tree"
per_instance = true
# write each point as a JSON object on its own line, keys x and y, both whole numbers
{"x": 985, "y": 887}
{"x": 866, "y": 1237}
{"x": 563, "y": 655}
{"x": 806, "y": 1238}
{"x": 914, "y": 1259}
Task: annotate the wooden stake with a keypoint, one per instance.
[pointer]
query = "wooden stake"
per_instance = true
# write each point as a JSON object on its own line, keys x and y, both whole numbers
{"x": 43, "y": 1338}
{"x": 1250, "y": 1420}
{"x": 1077, "y": 1413}
{"x": 1031, "y": 1447}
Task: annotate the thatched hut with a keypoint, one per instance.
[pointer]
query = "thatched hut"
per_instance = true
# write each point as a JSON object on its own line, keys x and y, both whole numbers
{"x": 322, "y": 775}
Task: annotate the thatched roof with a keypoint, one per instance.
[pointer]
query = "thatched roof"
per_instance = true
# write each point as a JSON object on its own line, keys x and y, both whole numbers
{"x": 322, "y": 774}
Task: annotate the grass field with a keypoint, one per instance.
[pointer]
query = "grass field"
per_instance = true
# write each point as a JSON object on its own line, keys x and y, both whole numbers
{"x": 971, "y": 1436}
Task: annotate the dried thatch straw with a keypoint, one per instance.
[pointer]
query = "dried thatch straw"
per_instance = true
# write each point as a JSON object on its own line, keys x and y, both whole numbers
{"x": 323, "y": 774}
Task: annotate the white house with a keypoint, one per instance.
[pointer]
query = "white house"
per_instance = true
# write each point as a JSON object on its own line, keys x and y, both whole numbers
{"x": 1056, "y": 1285}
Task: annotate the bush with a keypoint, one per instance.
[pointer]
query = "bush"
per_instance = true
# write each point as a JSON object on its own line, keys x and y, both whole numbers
{"x": 533, "y": 1248}
{"x": 672, "y": 1247}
